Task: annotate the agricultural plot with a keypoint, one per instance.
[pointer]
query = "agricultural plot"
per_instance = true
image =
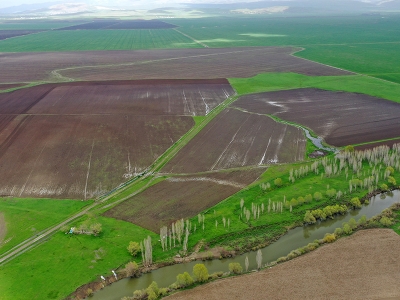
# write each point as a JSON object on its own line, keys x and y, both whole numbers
{"x": 118, "y": 24}
{"x": 340, "y": 118}
{"x": 235, "y": 139}
{"x": 147, "y": 97}
{"x": 230, "y": 63}
{"x": 78, "y": 140}
{"x": 181, "y": 197}
{"x": 5, "y": 34}
{"x": 101, "y": 39}
{"x": 276, "y": 31}
{"x": 381, "y": 60}
{"x": 202, "y": 63}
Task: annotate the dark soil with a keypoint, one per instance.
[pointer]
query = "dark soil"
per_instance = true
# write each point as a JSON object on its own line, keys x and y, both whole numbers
{"x": 157, "y": 64}
{"x": 81, "y": 139}
{"x": 181, "y": 197}
{"x": 341, "y": 118}
{"x": 236, "y": 139}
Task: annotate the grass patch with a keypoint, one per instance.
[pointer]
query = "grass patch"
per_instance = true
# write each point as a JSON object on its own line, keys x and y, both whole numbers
{"x": 198, "y": 119}
{"x": 377, "y": 60}
{"x": 85, "y": 40}
{"x": 267, "y": 82}
{"x": 68, "y": 261}
{"x": 27, "y": 217}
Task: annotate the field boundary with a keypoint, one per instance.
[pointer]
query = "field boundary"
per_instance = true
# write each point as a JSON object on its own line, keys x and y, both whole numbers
{"x": 192, "y": 38}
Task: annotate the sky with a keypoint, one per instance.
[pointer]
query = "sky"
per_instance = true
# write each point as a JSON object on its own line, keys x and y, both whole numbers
{"x": 132, "y": 3}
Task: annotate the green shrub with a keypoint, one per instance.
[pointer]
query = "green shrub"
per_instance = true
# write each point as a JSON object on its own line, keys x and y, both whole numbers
{"x": 329, "y": 238}
{"x": 352, "y": 223}
{"x": 184, "y": 280}
{"x": 355, "y": 203}
{"x": 317, "y": 196}
{"x": 278, "y": 182}
{"x": 235, "y": 268}
{"x": 347, "y": 229}
{"x": 392, "y": 181}
{"x": 200, "y": 272}
{"x": 385, "y": 221}
{"x": 133, "y": 248}
{"x": 308, "y": 198}
{"x": 338, "y": 232}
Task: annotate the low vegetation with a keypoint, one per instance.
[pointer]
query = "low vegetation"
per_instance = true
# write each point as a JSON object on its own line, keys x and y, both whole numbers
{"x": 268, "y": 82}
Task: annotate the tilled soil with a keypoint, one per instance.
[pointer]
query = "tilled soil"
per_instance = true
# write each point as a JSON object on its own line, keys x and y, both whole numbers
{"x": 157, "y": 64}
{"x": 181, "y": 197}
{"x": 81, "y": 139}
{"x": 363, "y": 266}
{"x": 235, "y": 139}
{"x": 341, "y": 118}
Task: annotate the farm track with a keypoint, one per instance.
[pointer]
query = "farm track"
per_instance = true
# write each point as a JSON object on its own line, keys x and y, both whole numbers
{"x": 188, "y": 36}
{"x": 156, "y": 166}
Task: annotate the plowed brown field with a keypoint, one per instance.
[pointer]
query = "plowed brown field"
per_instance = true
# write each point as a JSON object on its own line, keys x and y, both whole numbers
{"x": 148, "y": 97}
{"x": 78, "y": 140}
{"x": 363, "y": 266}
{"x": 157, "y": 64}
{"x": 181, "y": 197}
{"x": 340, "y": 118}
{"x": 235, "y": 139}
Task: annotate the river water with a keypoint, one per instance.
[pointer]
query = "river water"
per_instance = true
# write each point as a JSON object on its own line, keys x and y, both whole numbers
{"x": 294, "y": 239}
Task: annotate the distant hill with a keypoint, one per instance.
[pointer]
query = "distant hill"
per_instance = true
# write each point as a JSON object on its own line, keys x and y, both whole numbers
{"x": 23, "y": 8}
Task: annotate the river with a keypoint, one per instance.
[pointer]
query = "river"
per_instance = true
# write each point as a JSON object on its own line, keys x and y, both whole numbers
{"x": 295, "y": 238}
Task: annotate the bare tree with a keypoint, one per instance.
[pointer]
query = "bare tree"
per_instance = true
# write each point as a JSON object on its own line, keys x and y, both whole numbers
{"x": 259, "y": 259}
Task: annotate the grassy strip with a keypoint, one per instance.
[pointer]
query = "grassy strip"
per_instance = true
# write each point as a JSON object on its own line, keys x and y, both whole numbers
{"x": 378, "y": 141}
{"x": 28, "y": 217}
{"x": 268, "y": 82}
{"x": 244, "y": 236}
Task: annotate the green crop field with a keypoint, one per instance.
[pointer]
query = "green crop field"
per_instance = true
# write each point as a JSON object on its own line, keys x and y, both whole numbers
{"x": 380, "y": 60}
{"x": 85, "y": 40}
{"x": 364, "y": 44}
{"x": 27, "y": 217}
{"x": 267, "y": 31}
{"x": 37, "y": 25}
{"x": 267, "y": 82}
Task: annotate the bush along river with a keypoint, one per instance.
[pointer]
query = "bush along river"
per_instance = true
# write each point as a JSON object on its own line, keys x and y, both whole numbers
{"x": 294, "y": 239}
